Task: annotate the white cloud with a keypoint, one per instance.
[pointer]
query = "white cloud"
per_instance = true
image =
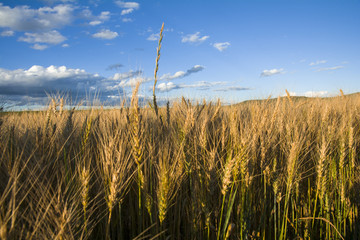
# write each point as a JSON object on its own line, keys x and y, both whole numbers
{"x": 126, "y": 20}
{"x": 318, "y": 62}
{"x": 105, "y": 34}
{"x": 51, "y": 37}
{"x": 127, "y": 11}
{"x": 221, "y": 46}
{"x": 268, "y": 73}
{"x": 94, "y": 23}
{"x": 202, "y": 85}
{"x": 129, "y": 7}
{"x": 166, "y": 87}
{"x": 110, "y": 85}
{"x": 7, "y": 33}
{"x": 126, "y": 75}
{"x": 315, "y": 93}
{"x": 37, "y": 80}
{"x": 181, "y": 74}
{"x": 96, "y": 20}
{"x": 153, "y": 37}
{"x": 65, "y": 45}
{"x": 128, "y": 79}
{"x": 233, "y": 88}
{"x": 39, "y": 46}
{"x": 133, "y": 5}
{"x": 24, "y": 18}
{"x": 194, "y": 38}
{"x": 329, "y": 68}
{"x": 135, "y": 80}
{"x": 104, "y": 15}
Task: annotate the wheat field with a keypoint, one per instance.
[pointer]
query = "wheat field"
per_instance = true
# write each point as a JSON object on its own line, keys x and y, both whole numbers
{"x": 282, "y": 168}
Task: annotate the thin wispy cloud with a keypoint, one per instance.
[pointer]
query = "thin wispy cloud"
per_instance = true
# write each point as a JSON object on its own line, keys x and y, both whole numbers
{"x": 271, "y": 72}
{"x": 128, "y": 82}
{"x": 105, "y": 34}
{"x": 329, "y": 68}
{"x": 153, "y": 37}
{"x": 126, "y": 75}
{"x": 221, "y": 46}
{"x": 104, "y": 16}
{"x": 126, "y": 20}
{"x": 40, "y": 47}
{"x": 318, "y": 62}
{"x": 182, "y": 74}
{"x": 227, "y": 89}
{"x": 7, "y": 33}
{"x": 202, "y": 85}
{"x": 116, "y": 66}
{"x": 194, "y": 38}
{"x": 128, "y": 7}
{"x": 316, "y": 93}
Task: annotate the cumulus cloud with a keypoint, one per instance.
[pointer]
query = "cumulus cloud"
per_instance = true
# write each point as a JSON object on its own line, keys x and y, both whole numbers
{"x": 315, "y": 94}
{"x": 129, "y": 7}
{"x": 51, "y": 37}
{"x": 221, "y": 46}
{"x": 182, "y": 74}
{"x": 105, "y": 34}
{"x": 7, "y": 33}
{"x": 24, "y": 18}
{"x": 65, "y": 45}
{"x": 318, "y": 62}
{"x": 166, "y": 87}
{"x": 37, "y": 80}
{"x": 329, "y": 68}
{"x": 268, "y": 73}
{"x": 194, "y": 38}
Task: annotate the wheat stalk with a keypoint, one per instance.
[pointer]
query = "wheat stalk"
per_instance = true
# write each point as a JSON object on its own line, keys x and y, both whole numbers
{"x": 157, "y": 68}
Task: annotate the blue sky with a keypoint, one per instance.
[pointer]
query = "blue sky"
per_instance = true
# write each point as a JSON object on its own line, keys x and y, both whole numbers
{"x": 232, "y": 50}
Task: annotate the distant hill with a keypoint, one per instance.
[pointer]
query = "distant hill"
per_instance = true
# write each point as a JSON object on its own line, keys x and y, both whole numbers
{"x": 298, "y": 98}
